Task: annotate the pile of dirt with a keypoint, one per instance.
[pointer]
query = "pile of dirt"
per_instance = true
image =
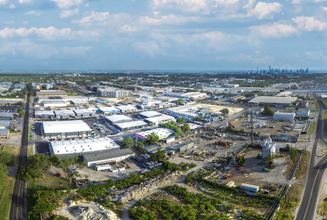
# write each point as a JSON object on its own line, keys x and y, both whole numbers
{"x": 93, "y": 213}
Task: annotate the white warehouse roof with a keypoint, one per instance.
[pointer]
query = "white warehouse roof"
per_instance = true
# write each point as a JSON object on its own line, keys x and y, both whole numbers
{"x": 44, "y": 113}
{"x": 150, "y": 114}
{"x": 126, "y": 107}
{"x": 65, "y": 126}
{"x": 82, "y": 111}
{"x": 160, "y": 118}
{"x": 82, "y": 146}
{"x": 270, "y": 99}
{"x": 161, "y": 132}
{"x": 108, "y": 109}
{"x": 117, "y": 118}
{"x": 131, "y": 124}
{"x": 64, "y": 112}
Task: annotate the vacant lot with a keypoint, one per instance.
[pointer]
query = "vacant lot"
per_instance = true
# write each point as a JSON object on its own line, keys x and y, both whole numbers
{"x": 5, "y": 198}
{"x": 14, "y": 150}
{"x": 217, "y": 108}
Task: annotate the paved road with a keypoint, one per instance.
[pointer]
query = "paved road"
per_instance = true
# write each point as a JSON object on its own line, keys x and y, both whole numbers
{"x": 311, "y": 193}
{"x": 18, "y": 200}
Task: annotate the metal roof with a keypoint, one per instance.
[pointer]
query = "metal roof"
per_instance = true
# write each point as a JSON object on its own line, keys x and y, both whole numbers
{"x": 109, "y": 109}
{"x": 5, "y": 123}
{"x": 51, "y": 92}
{"x": 82, "y": 146}
{"x": 44, "y": 113}
{"x": 161, "y": 132}
{"x": 82, "y": 111}
{"x": 270, "y": 99}
{"x": 131, "y": 124}
{"x": 6, "y": 114}
{"x": 64, "y": 112}
{"x": 160, "y": 118}
{"x": 4, "y": 132}
{"x": 108, "y": 155}
{"x": 117, "y": 118}
{"x": 126, "y": 107}
{"x": 65, "y": 126}
{"x": 150, "y": 114}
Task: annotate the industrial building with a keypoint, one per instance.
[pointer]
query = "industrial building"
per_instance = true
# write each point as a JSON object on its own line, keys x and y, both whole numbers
{"x": 161, "y": 132}
{"x": 44, "y": 115}
{"x": 64, "y": 114}
{"x": 269, "y": 148}
{"x": 273, "y": 101}
{"x": 109, "y": 111}
{"x": 64, "y": 129}
{"x": 86, "y": 92}
{"x": 185, "y": 111}
{"x": 151, "y": 103}
{"x": 149, "y": 114}
{"x": 4, "y": 133}
{"x": 10, "y": 101}
{"x": 131, "y": 125}
{"x": 83, "y": 113}
{"x": 107, "y": 157}
{"x": 159, "y": 119}
{"x": 187, "y": 95}
{"x": 183, "y": 146}
{"x": 6, "y": 115}
{"x": 112, "y": 92}
{"x": 115, "y": 119}
{"x": 55, "y": 103}
{"x": 283, "y": 116}
{"x": 51, "y": 93}
{"x": 82, "y": 146}
{"x": 235, "y": 99}
{"x": 126, "y": 108}
{"x": 5, "y": 124}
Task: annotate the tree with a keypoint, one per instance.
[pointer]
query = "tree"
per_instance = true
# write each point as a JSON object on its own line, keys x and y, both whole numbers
{"x": 69, "y": 166}
{"x": 242, "y": 131}
{"x": 180, "y": 101}
{"x": 140, "y": 143}
{"x": 288, "y": 147}
{"x": 152, "y": 138}
{"x": 180, "y": 120}
{"x": 192, "y": 99}
{"x": 229, "y": 129}
{"x": 198, "y": 118}
{"x": 128, "y": 142}
{"x": 20, "y": 112}
{"x": 267, "y": 110}
{"x": 6, "y": 158}
{"x": 239, "y": 100}
{"x": 240, "y": 160}
{"x": 160, "y": 155}
{"x": 225, "y": 111}
{"x": 36, "y": 166}
{"x": 3, "y": 174}
{"x": 186, "y": 127}
{"x": 297, "y": 108}
{"x": 154, "y": 94}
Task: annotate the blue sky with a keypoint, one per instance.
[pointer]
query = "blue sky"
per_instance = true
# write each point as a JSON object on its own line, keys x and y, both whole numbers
{"x": 162, "y": 34}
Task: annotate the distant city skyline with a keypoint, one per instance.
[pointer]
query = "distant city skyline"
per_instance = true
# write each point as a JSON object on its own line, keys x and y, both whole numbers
{"x": 162, "y": 35}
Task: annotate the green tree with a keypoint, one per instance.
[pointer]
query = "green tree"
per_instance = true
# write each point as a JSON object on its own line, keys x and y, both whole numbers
{"x": 229, "y": 129}
{"x": 140, "y": 143}
{"x": 225, "y": 111}
{"x": 152, "y": 138}
{"x": 36, "y": 166}
{"x": 128, "y": 142}
{"x": 192, "y": 99}
{"x": 20, "y": 112}
{"x": 240, "y": 160}
{"x": 180, "y": 101}
{"x": 239, "y": 100}
{"x": 242, "y": 131}
{"x": 180, "y": 120}
{"x": 267, "y": 110}
{"x": 293, "y": 153}
{"x": 297, "y": 108}
{"x": 3, "y": 174}
{"x": 69, "y": 165}
{"x": 6, "y": 158}
{"x": 160, "y": 155}
{"x": 186, "y": 127}
{"x": 198, "y": 118}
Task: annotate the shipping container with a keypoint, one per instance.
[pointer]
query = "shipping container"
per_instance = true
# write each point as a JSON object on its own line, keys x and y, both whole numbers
{"x": 232, "y": 122}
{"x": 222, "y": 143}
{"x": 248, "y": 187}
{"x": 230, "y": 184}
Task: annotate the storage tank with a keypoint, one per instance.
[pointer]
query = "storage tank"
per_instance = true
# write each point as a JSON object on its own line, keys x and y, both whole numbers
{"x": 248, "y": 187}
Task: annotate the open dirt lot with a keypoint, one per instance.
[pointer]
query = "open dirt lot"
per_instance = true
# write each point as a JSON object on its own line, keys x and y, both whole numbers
{"x": 253, "y": 174}
{"x": 217, "y": 108}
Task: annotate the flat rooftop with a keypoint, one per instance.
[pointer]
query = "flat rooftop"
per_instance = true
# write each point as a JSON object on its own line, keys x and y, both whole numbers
{"x": 108, "y": 109}
{"x": 161, "y": 132}
{"x": 64, "y": 112}
{"x": 182, "y": 108}
{"x": 131, "y": 124}
{"x": 5, "y": 123}
{"x": 125, "y": 107}
{"x": 81, "y": 146}
{"x": 160, "y": 118}
{"x": 65, "y": 126}
{"x": 44, "y": 113}
{"x": 108, "y": 155}
{"x": 117, "y": 118}
{"x": 6, "y": 114}
{"x": 270, "y": 99}
{"x": 149, "y": 114}
{"x": 51, "y": 92}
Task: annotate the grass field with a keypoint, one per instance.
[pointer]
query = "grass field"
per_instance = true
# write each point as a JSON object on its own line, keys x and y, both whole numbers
{"x": 313, "y": 127}
{"x": 30, "y": 150}
{"x": 315, "y": 104}
{"x": 14, "y": 150}
{"x": 30, "y": 133}
{"x": 304, "y": 165}
{"x": 217, "y": 108}
{"x": 322, "y": 207}
{"x": 5, "y": 198}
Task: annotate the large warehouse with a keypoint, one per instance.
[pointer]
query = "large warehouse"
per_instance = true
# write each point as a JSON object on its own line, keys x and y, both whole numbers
{"x": 6, "y": 115}
{"x": 283, "y": 116}
{"x": 63, "y": 114}
{"x": 160, "y": 119}
{"x": 51, "y": 93}
{"x": 131, "y": 125}
{"x": 183, "y": 111}
{"x": 82, "y": 146}
{"x": 83, "y": 113}
{"x": 161, "y": 132}
{"x": 149, "y": 114}
{"x": 44, "y": 114}
{"x": 126, "y": 108}
{"x": 63, "y": 129}
{"x": 115, "y": 119}
{"x": 107, "y": 157}
{"x": 109, "y": 111}
{"x": 273, "y": 101}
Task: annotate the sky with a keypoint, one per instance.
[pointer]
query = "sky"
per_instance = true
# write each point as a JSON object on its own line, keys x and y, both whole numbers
{"x": 162, "y": 34}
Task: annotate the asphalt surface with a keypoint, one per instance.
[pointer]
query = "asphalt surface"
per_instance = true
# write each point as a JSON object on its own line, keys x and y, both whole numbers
{"x": 18, "y": 200}
{"x": 311, "y": 193}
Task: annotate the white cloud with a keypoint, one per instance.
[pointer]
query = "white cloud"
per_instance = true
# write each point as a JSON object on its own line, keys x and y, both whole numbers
{"x": 9, "y": 22}
{"x": 3, "y": 2}
{"x": 25, "y": 1}
{"x": 12, "y": 6}
{"x": 249, "y": 4}
{"x": 245, "y": 58}
{"x": 168, "y": 19}
{"x": 325, "y": 8}
{"x": 265, "y": 10}
{"x": 310, "y": 23}
{"x": 274, "y": 30}
{"x": 296, "y": 2}
{"x": 103, "y": 19}
{"x": 64, "y": 4}
{"x": 87, "y": 5}
{"x": 69, "y": 13}
{"x": 298, "y": 9}
{"x": 49, "y": 33}
{"x": 37, "y": 13}
{"x": 25, "y": 22}
{"x": 151, "y": 48}
{"x": 316, "y": 56}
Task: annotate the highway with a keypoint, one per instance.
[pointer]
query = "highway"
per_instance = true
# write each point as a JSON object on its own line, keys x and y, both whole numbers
{"x": 18, "y": 200}
{"x": 311, "y": 193}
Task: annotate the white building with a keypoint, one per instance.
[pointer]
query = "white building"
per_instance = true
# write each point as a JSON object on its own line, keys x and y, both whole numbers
{"x": 84, "y": 112}
{"x": 82, "y": 146}
{"x": 107, "y": 157}
{"x": 185, "y": 111}
{"x": 149, "y": 114}
{"x": 115, "y": 119}
{"x": 112, "y": 92}
{"x": 63, "y": 114}
{"x": 131, "y": 125}
{"x": 63, "y": 129}
{"x": 161, "y": 132}
{"x": 159, "y": 119}
{"x": 269, "y": 148}
{"x": 283, "y": 116}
